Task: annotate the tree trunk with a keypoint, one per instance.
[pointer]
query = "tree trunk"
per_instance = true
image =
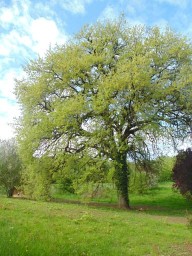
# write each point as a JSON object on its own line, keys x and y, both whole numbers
{"x": 10, "y": 192}
{"x": 122, "y": 176}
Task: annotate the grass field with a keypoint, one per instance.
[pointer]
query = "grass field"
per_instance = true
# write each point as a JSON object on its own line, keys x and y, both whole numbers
{"x": 157, "y": 225}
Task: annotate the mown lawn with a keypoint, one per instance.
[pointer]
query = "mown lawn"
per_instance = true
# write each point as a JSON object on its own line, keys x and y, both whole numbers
{"x": 48, "y": 228}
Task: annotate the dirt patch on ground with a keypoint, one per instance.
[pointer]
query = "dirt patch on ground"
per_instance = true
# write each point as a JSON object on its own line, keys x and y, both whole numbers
{"x": 182, "y": 250}
{"x": 170, "y": 219}
{"x": 146, "y": 209}
{"x": 96, "y": 204}
{"x": 165, "y": 218}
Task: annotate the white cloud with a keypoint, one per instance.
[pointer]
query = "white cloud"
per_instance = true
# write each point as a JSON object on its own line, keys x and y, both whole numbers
{"x": 130, "y": 10}
{"x": 24, "y": 34}
{"x": 7, "y": 84}
{"x": 110, "y": 12}
{"x": 16, "y": 14}
{"x": 24, "y": 30}
{"x": 4, "y": 50}
{"x": 45, "y": 32}
{"x": 74, "y": 6}
{"x": 7, "y": 16}
{"x": 8, "y": 110}
{"x": 6, "y": 129}
{"x": 15, "y": 43}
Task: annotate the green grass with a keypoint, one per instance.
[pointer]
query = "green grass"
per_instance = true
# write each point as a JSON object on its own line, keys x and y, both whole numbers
{"x": 47, "y": 228}
{"x": 163, "y": 200}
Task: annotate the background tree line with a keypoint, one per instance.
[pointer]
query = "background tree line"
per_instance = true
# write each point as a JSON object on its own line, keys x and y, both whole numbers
{"x": 163, "y": 169}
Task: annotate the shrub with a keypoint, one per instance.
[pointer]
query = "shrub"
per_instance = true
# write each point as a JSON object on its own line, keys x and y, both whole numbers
{"x": 66, "y": 185}
{"x": 182, "y": 173}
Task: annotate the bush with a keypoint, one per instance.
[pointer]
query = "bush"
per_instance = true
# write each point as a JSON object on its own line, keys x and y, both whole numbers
{"x": 66, "y": 185}
{"x": 182, "y": 173}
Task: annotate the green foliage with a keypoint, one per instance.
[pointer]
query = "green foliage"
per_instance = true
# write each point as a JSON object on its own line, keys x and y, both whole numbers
{"x": 141, "y": 182}
{"x": 2, "y": 190}
{"x": 159, "y": 170}
{"x": 165, "y": 168}
{"x": 10, "y": 166}
{"x": 105, "y": 96}
{"x": 66, "y": 185}
{"x": 82, "y": 176}
{"x": 35, "y": 181}
{"x": 143, "y": 177}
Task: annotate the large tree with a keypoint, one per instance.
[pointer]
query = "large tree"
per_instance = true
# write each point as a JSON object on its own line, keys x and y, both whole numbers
{"x": 105, "y": 96}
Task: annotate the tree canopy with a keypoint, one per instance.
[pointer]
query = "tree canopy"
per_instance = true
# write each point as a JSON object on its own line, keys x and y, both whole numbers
{"x": 182, "y": 173}
{"x": 105, "y": 97}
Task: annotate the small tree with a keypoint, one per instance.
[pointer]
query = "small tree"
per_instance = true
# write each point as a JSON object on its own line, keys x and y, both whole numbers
{"x": 10, "y": 166}
{"x": 182, "y": 173}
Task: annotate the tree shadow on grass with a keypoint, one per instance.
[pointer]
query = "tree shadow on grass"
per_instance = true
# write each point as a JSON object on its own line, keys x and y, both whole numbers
{"x": 163, "y": 201}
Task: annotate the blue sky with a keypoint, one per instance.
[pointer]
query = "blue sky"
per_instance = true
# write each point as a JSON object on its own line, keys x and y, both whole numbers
{"x": 29, "y": 27}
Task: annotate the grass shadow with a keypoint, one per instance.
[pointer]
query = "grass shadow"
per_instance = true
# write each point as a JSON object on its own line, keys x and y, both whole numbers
{"x": 163, "y": 201}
